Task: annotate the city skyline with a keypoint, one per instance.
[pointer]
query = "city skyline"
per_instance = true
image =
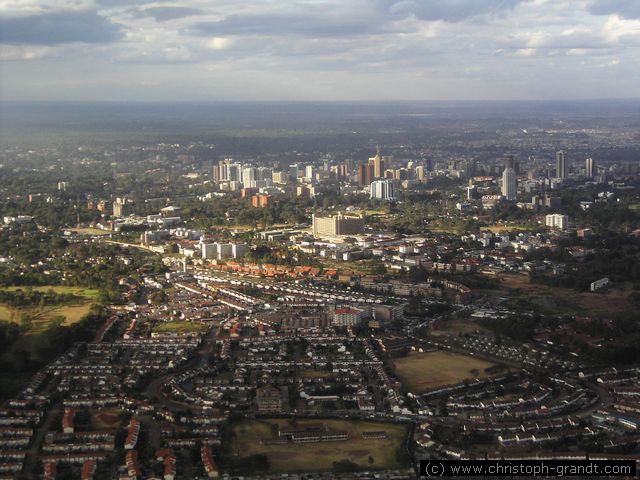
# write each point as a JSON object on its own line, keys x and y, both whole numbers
{"x": 328, "y": 51}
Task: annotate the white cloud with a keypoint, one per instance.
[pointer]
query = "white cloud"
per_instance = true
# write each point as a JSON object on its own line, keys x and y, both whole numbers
{"x": 219, "y": 43}
{"x": 22, "y": 52}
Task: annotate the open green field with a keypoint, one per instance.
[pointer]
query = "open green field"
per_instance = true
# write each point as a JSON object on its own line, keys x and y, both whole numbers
{"x": 42, "y": 317}
{"x": 179, "y": 327}
{"x": 250, "y": 435}
{"x": 420, "y": 372}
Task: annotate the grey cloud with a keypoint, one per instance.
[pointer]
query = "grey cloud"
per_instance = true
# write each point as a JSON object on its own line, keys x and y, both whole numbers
{"x": 624, "y": 8}
{"x": 163, "y": 14}
{"x": 372, "y": 16}
{"x": 285, "y": 24}
{"x": 57, "y": 28}
{"x": 122, "y": 3}
{"x": 447, "y": 10}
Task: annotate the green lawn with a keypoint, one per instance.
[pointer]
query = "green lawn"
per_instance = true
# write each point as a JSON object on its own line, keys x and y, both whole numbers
{"x": 252, "y": 437}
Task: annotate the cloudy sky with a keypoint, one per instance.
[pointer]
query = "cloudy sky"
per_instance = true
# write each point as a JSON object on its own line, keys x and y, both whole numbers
{"x": 319, "y": 49}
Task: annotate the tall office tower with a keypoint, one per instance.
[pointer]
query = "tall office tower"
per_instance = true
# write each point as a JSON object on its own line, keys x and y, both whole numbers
{"x": 215, "y": 173}
{"x": 280, "y": 177}
{"x": 234, "y": 172}
{"x": 310, "y": 172}
{"x": 365, "y": 174}
{"x": 383, "y": 190}
{"x": 509, "y": 184}
{"x": 561, "y": 164}
{"x": 265, "y": 174}
{"x": 223, "y": 167}
{"x": 294, "y": 171}
{"x": 420, "y": 173}
{"x": 348, "y": 164}
{"x": 589, "y": 167}
{"x": 471, "y": 167}
{"x": 509, "y": 162}
{"x": 249, "y": 177}
{"x": 226, "y": 166}
{"x": 378, "y": 164}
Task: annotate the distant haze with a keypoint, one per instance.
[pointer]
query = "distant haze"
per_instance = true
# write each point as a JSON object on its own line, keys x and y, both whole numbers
{"x": 318, "y": 50}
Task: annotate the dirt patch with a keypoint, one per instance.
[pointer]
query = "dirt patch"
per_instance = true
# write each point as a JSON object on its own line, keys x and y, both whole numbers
{"x": 108, "y": 418}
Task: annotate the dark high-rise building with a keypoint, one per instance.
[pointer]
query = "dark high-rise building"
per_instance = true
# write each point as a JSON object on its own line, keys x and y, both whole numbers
{"x": 365, "y": 174}
{"x": 561, "y": 164}
{"x": 509, "y": 162}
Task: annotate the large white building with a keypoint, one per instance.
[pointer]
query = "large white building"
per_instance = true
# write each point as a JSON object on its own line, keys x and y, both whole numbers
{"x": 338, "y": 225}
{"x": 249, "y": 177}
{"x": 344, "y": 317}
{"x": 220, "y": 251}
{"x": 383, "y": 190}
{"x": 509, "y": 184}
{"x": 556, "y": 220}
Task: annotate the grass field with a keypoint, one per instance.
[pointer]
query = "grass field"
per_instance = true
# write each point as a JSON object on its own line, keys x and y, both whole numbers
{"x": 179, "y": 327}
{"x": 42, "y": 318}
{"x": 424, "y": 371}
{"x": 291, "y": 457}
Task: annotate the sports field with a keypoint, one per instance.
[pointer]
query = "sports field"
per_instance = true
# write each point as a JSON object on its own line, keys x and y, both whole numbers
{"x": 420, "y": 372}
{"x": 254, "y": 437}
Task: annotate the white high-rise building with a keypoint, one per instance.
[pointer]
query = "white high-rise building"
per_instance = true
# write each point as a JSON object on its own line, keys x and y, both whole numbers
{"x": 556, "y": 220}
{"x": 589, "y": 167}
{"x": 310, "y": 172}
{"x": 221, "y": 251}
{"x": 383, "y": 190}
{"x": 249, "y": 177}
{"x": 509, "y": 184}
